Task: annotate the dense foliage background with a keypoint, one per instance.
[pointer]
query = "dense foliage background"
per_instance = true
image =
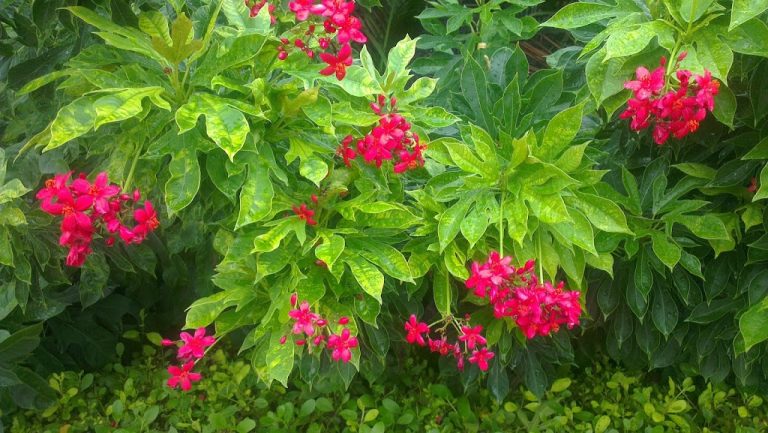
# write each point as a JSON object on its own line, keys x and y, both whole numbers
{"x": 518, "y": 102}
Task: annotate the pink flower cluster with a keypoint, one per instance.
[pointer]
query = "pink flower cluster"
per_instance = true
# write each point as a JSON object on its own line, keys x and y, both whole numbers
{"x": 314, "y": 331}
{"x": 392, "y": 139}
{"x": 676, "y": 112}
{"x": 470, "y": 341}
{"x": 191, "y": 349}
{"x": 537, "y": 308}
{"x": 337, "y": 20}
{"x": 85, "y": 206}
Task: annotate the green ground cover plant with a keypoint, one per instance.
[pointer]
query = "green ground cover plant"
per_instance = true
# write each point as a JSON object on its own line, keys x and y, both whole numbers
{"x": 518, "y": 188}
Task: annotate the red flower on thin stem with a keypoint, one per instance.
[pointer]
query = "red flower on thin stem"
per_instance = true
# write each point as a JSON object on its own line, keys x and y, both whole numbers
{"x": 337, "y": 64}
{"x": 194, "y": 345}
{"x": 415, "y": 329}
{"x": 472, "y": 336}
{"x": 481, "y": 358}
{"x": 340, "y": 344}
{"x": 183, "y": 376}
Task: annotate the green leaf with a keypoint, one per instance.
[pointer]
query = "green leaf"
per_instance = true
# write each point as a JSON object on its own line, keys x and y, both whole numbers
{"x": 696, "y": 170}
{"x": 561, "y": 130}
{"x": 548, "y": 208}
{"x": 20, "y": 344}
{"x": 181, "y": 188}
{"x": 399, "y": 57}
{"x": 224, "y": 123}
{"x": 12, "y": 190}
{"x": 474, "y": 225}
{"x": 366, "y": 274}
{"x": 155, "y": 25}
{"x": 450, "y": 220}
{"x": 6, "y": 250}
{"x": 270, "y": 240}
{"x": 386, "y": 257}
{"x": 279, "y": 358}
{"x": 760, "y": 151}
{"x": 692, "y": 10}
{"x": 256, "y": 195}
{"x": 474, "y": 87}
{"x": 762, "y": 192}
{"x": 629, "y": 41}
{"x": 643, "y": 276}
{"x": 358, "y": 82}
{"x": 93, "y": 279}
{"x": 745, "y": 10}
{"x": 72, "y": 121}
{"x": 703, "y": 226}
{"x": 314, "y": 169}
{"x": 463, "y": 157}
{"x": 420, "y": 89}
{"x": 664, "y": 312}
{"x": 330, "y": 250}
{"x": 580, "y": 14}
{"x": 753, "y": 324}
{"x": 665, "y": 249}
{"x": 601, "y": 212}
{"x": 725, "y": 106}
{"x": 441, "y": 289}
{"x": 126, "y": 104}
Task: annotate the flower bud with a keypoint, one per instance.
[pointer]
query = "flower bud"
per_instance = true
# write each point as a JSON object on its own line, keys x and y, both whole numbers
{"x": 343, "y": 320}
{"x": 283, "y": 339}
{"x": 294, "y": 299}
{"x": 166, "y": 342}
{"x": 300, "y": 342}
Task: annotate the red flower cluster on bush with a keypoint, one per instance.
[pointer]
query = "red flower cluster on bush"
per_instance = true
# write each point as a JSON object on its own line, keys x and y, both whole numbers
{"x": 191, "y": 349}
{"x": 470, "y": 341}
{"x": 85, "y": 206}
{"x": 315, "y": 332}
{"x": 676, "y": 112}
{"x": 537, "y": 308}
{"x": 392, "y": 139}
{"x": 337, "y": 20}
{"x": 305, "y": 213}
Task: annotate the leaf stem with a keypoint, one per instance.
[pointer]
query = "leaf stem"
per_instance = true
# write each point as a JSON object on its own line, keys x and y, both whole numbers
{"x": 541, "y": 262}
{"x": 129, "y": 179}
{"x": 501, "y": 225}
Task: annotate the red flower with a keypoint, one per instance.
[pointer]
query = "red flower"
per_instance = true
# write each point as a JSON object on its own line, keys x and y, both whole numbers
{"x": 647, "y": 83}
{"x": 415, "y": 329}
{"x": 472, "y": 336}
{"x": 305, "y": 214}
{"x": 337, "y": 64}
{"x": 708, "y": 88}
{"x": 54, "y": 186}
{"x": 100, "y": 192}
{"x": 194, "y": 345}
{"x": 340, "y": 344}
{"x": 345, "y": 151}
{"x": 304, "y": 319}
{"x": 147, "y": 223}
{"x": 481, "y": 358}
{"x": 183, "y": 377}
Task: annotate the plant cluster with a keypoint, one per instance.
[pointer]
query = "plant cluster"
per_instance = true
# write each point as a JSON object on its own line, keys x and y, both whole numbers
{"x": 126, "y": 398}
{"x": 84, "y": 206}
{"x": 678, "y": 111}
